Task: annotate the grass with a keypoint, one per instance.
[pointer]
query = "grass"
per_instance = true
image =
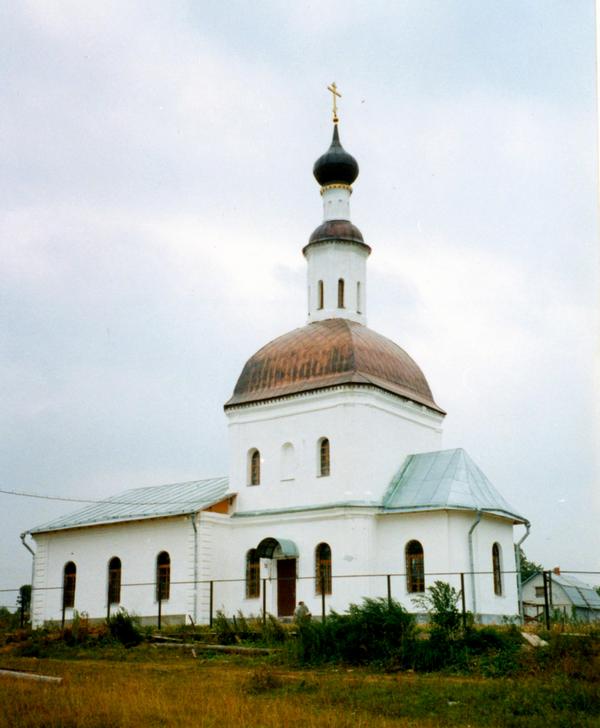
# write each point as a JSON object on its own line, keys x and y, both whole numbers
{"x": 146, "y": 686}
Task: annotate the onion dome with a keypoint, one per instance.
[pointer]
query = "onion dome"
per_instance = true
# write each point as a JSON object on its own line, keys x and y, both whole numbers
{"x": 336, "y": 166}
{"x": 326, "y": 354}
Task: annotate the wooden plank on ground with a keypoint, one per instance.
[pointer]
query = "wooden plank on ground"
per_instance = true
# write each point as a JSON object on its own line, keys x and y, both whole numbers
{"x": 30, "y": 676}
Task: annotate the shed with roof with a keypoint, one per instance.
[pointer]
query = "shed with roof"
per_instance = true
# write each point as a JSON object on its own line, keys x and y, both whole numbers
{"x": 568, "y": 596}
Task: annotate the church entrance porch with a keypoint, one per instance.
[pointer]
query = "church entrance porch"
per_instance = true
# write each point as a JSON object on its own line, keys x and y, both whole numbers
{"x": 286, "y": 587}
{"x": 283, "y": 555}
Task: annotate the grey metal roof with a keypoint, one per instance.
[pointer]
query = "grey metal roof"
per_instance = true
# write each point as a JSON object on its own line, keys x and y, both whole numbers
{"x": 579, "y": 593}
{"x": 445, "y": 479}
{"x": 141, "y": 503}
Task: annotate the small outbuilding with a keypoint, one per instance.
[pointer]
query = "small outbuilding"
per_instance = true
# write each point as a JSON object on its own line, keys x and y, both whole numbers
{"x": 566, "y": 594}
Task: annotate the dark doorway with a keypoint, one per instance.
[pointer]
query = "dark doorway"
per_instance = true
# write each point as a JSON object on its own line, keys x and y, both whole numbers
{"x": 286, "y": 587}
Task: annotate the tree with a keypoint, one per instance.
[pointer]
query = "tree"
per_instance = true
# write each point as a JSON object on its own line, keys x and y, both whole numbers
{"x": 24, "y": 598}
{"x": 528, "y": 568}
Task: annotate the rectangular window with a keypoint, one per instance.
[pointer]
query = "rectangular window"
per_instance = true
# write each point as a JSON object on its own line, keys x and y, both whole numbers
{"x": 252, "y": 575}
{"x": 69, "y": 591}
{"x": 539, "y": 592}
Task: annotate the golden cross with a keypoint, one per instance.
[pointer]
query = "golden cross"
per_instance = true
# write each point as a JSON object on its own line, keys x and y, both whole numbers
{"x": 334, "y": 93}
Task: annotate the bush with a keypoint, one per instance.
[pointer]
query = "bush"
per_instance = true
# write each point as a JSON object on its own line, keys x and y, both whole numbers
{"x": 125, "y": 628}
{"x": 567, "y": 655}
{"x": 374, "y": 632}
{"x": 440, "y": 602}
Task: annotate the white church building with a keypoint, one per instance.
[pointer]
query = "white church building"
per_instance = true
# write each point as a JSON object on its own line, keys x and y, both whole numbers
{"x": 338, "y": 486}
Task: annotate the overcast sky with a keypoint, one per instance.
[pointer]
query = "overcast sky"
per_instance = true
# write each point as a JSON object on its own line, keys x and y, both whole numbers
{"x": 156, "y": 191}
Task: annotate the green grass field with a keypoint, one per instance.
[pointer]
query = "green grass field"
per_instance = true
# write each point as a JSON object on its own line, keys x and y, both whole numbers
{"x": 149, "y": 686}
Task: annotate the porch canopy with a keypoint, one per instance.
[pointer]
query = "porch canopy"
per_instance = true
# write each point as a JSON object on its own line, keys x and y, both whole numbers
{"x": 267, "y": 547}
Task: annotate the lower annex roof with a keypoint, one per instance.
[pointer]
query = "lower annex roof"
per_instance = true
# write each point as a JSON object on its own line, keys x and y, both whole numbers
{"x": 156, "y": 501}
{"x": 445, "y": 479}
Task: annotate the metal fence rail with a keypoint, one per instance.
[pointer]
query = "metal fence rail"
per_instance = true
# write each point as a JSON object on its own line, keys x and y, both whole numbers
{"x": 268, "y": 584}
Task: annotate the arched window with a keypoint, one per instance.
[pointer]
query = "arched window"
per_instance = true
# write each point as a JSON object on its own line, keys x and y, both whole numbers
{"x": 163, "y": 576}
{"x": 415, "y": 567}
{"x": 323, "y": 569}
{"x": 288, "y": 464}
{"x": 358, "y": 301}
{"x": 114, "y": 580}
{"x": 324, "y": 457}
{"x": 254, "y": 467}
{"x": 341, "y": 293}
{"x": 497, "y": 569}
{"x": 69, "y": 580}
{"x": 321, "y": 295}
{"x": 252, "y": 574}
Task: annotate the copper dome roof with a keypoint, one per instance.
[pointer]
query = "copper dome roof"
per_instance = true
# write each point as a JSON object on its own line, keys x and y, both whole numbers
{"x": 326, "y": 354}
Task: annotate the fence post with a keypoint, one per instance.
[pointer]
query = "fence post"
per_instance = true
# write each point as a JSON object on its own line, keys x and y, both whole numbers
{"x": 546, "y": 577}
{"x": 323, "y": 616}
{"x": 264, "y": 610}
{"x": 159, "y": 608}
{"x": 463, "y": 600}
{"x": 211, "y": 591}
{"x": 389, "y": 590}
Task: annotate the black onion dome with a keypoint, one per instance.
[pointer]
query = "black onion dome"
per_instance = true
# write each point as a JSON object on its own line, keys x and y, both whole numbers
{"x": 336, "y": 165}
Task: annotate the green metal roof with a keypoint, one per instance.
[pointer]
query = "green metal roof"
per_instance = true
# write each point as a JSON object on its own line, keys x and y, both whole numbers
{"x": 267, "y": 547}
{"x": 446, "y": 479}
{"x": 579, "y": 593}
{"x": 140, "y": 503}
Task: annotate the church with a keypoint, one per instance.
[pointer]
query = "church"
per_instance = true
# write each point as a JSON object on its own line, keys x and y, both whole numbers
{"x": 338, "y": 485}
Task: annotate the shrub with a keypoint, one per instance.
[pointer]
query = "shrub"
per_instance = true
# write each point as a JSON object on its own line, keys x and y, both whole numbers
{"x": 377, "y": 631}
{"x": 262, "y": 680}
{"x": 125, "y": 628}
{"x": 567, "y": 655}
{"x": 440, "y": 602}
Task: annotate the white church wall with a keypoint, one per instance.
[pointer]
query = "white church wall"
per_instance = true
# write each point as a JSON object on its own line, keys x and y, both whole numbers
{"x": 444, "y": 537}
{"x": 431, "y": 529}
{"x": 348, "y": 532}
{"x": 370, "y": 433}
{"x": 137, "y": 544}
{"x": 489, "y": 605}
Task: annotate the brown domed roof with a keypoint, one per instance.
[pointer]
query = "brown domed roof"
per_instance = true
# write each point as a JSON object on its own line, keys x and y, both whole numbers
{"x": 341, "y": 231}
{"x": 326, "y": 354}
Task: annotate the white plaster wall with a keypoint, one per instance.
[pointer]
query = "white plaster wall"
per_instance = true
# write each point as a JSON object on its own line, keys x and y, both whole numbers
{"x": 492, "y": 529}
{"x": 362, "y": 543}
{"x": 137, "y": 544}
{"x": 349, "y": 532}
{"x": 370, "y": 434}
{"x": 444, "y": 537}
{"x": 336, "y": 202}
{"x": 329, "y": 262}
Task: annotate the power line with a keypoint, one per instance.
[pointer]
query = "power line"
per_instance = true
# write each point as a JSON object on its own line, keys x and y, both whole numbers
{"x": 22, "y": 494}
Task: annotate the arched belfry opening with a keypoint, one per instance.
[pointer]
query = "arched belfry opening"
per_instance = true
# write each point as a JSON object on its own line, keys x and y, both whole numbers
{"x": 285, "y": 554}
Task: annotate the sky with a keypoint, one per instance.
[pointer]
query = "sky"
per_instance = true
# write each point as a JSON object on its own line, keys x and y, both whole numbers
{"x": 156, "y": 191}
